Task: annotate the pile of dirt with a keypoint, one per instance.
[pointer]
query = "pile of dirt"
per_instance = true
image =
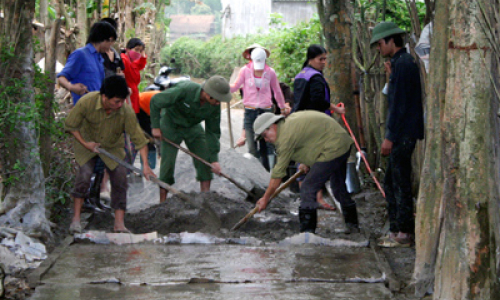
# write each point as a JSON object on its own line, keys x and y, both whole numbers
{"x": 216, "y": 216}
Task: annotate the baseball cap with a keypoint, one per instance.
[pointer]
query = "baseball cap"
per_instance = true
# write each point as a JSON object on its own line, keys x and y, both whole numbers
{"x": 258, "y": 56}
{"x": 246, "y": 53}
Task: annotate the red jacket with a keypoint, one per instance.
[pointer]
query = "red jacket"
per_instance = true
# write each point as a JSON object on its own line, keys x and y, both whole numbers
{"x": 133, "y": 77}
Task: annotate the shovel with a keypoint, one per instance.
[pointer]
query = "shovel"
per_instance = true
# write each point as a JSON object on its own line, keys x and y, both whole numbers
{"x": 278, "y": 190}
{"x": 213, "y": 218}
{"x": 209, "y": 165}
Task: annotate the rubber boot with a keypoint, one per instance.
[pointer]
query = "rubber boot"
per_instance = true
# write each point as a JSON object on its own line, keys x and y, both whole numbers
{"x": 308, "y": 219}
{"x": 95, "y": 193}
{"x": 351, "y": 218}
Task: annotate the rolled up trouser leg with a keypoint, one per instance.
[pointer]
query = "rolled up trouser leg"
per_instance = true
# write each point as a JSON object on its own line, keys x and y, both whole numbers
{"x": 119, "y": 185}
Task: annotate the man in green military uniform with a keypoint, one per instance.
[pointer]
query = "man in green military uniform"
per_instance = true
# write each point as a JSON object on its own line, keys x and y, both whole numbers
{"x": 177, "y": 113}
{"x": 99, "y": 119}
{"x": 322, "y": 148}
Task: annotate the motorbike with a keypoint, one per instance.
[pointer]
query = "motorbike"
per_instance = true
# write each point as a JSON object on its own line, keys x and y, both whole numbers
{"x": 163, "y": 80}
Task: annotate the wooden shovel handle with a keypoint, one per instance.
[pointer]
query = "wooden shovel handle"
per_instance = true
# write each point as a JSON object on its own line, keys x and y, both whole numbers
{"x": 208, "y": 165}
{"x": 278, "y": 190}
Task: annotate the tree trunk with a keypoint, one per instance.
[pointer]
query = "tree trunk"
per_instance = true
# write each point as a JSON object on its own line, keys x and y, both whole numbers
{"x": 81, "y": 22}
{"x": 336, "y": 24}
{"x": 24, "y": 202}
{"x": 458, "y": 200}
{"x": 48, "y": 101}
{"x": 129, "y": 20}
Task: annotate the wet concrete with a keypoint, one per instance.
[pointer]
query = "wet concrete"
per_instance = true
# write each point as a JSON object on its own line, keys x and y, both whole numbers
{"x": 309, "y": 291}
{"x": 149, "y": 271}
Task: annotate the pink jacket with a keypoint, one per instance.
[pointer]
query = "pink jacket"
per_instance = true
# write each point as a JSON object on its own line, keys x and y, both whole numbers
{"x": 258, "y": 98}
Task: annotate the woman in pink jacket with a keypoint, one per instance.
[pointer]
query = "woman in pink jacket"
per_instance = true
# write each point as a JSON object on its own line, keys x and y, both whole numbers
{"x": 258, "y": 80}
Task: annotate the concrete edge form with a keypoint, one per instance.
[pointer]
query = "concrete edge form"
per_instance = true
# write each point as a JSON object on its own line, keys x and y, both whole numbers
{"x": 35, "y": 277}
{"x": 394, "y": 284}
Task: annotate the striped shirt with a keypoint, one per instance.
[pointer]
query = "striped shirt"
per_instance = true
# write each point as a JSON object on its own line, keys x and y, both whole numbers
{"x": 95, "y": 125}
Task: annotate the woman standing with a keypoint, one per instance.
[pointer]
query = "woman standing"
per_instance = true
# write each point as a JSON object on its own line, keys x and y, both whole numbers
{"x": 311, "y": 92}
{"x": 258, "y": 80}
{"x": 134, "y": 60}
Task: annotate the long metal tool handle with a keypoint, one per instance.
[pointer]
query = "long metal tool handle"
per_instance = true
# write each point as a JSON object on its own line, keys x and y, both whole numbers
{"x": 139, "y": 172}
{"x": 361, "y": 152}
{"x": 209, "y": 165}
{"x": 278, "y": 190}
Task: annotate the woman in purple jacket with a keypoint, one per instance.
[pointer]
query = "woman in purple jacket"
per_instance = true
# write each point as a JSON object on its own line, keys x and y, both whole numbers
{"x": 311, "y": 92}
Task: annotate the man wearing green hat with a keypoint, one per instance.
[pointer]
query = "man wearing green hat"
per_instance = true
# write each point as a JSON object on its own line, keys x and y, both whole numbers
{"x": 404, "y": 126}
{"x": 178, "y": 112}
{"x": 322, "y": 148}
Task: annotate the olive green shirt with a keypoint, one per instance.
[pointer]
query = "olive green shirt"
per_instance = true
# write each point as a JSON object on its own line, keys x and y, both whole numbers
{"x": 95, "y": 125}
{"x": 308, "y": 137}
{"x": 181, "y": 106}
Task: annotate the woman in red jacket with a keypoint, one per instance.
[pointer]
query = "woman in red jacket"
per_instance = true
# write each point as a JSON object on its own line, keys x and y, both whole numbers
{"x": 134, "y": 60}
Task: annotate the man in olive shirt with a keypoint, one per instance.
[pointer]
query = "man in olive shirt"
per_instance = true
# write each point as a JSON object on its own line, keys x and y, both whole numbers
{"x": 99, "y": 119}
{"x": 322, "y": 148}
{"x": 177, "y": 113}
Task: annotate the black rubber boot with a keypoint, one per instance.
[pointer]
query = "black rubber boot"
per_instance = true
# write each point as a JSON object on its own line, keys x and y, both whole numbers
{"x": 351, "y": 218}
{"x": 308, "y": 219}
{"x": 95, "y": 193}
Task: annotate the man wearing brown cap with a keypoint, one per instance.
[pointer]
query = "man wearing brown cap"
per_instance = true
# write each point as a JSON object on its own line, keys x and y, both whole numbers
{"x": 183, "y": 108}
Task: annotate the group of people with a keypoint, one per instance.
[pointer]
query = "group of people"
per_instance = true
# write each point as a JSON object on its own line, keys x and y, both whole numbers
{"x": 321, "y": 146}
{"x": 303, "y": 130}
{"x": 100, "y": 80}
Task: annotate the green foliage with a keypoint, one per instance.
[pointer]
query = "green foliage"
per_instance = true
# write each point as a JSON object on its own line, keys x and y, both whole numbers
{"x": 145, "y": 6}
{"x": 203, "y": 59}
{"x": 14, "y": 112}
{"x": 201, "y": 9}
{"x": 396, "y": 11}
{"x": 60, "y": 178}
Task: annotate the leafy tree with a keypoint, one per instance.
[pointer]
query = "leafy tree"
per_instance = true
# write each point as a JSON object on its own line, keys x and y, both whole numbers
{"x": 201, "y": 9}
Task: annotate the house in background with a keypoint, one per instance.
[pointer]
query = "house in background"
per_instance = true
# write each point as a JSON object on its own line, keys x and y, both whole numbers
{"x": 249, "y": 17}
{"x": 193, "y": 26}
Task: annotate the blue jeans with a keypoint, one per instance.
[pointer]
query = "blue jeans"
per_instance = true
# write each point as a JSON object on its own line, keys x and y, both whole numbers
{"x": 264, "y": 148}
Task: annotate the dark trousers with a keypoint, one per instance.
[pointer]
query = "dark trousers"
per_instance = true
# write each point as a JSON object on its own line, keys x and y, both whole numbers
{"x": 333, "y": 170}
{"x": 398, "y": 187}
{"x": 263, "y": 148}
{"x": 117, "y": 177}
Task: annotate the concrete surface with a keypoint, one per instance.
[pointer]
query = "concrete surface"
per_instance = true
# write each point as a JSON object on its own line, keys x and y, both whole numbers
{"x": 147, "y": 271}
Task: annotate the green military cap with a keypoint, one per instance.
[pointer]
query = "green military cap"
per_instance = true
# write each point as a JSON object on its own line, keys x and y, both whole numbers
{"x": 383, "y": 30}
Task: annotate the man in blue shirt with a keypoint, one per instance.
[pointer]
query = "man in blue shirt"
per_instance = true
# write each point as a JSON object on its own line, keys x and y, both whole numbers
{"x": 84, "y": 70}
